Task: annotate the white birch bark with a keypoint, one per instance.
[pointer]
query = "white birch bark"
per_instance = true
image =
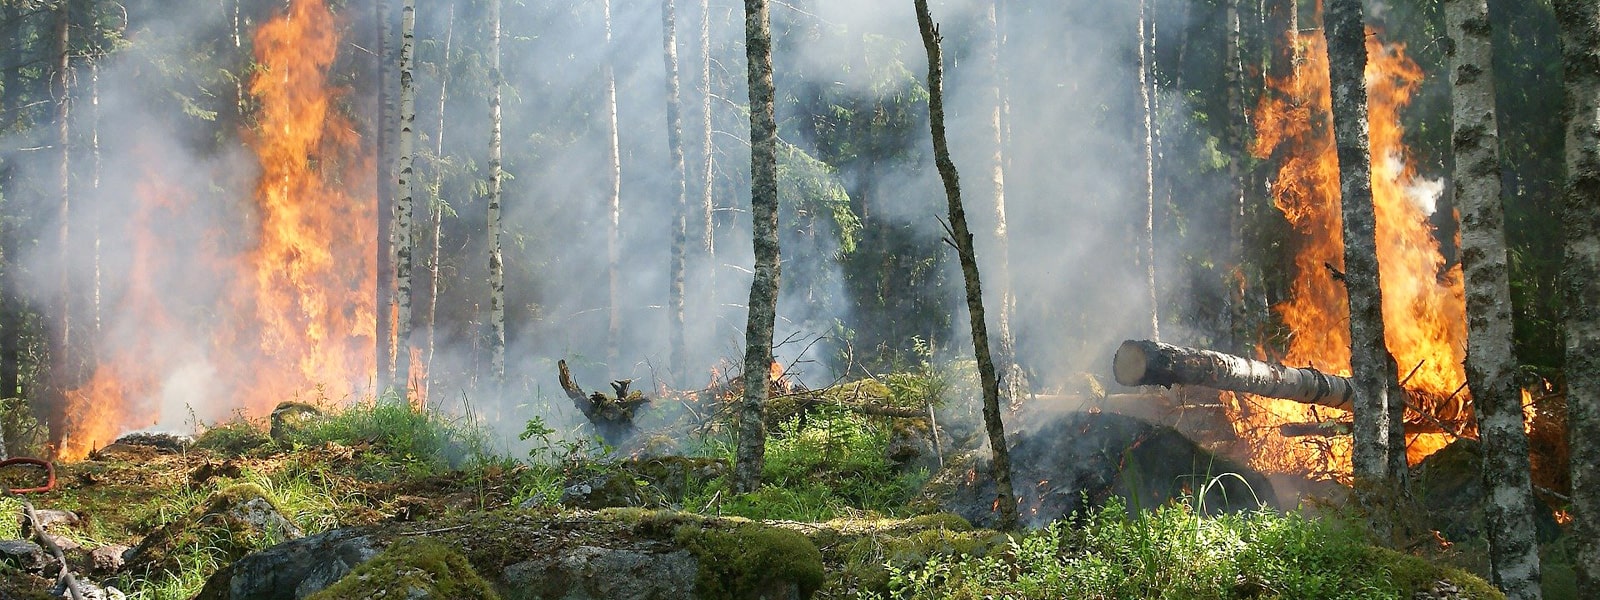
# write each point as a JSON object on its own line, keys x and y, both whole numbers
{"x": 404, "y": 207}
{"x": 680, "y": 202}
{"x": 497, "y": 279}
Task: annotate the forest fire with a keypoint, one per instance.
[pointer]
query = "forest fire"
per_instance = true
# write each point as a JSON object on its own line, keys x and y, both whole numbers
{"x": 295, "y": 315}
{"x": 1423, "y": 300}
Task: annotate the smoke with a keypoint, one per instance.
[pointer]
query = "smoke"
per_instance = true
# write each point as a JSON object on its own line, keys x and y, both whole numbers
{"x": 1073, "y": 191}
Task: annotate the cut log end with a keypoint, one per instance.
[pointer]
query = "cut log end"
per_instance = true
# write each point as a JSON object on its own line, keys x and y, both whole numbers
{"x": 1130, "y": 364}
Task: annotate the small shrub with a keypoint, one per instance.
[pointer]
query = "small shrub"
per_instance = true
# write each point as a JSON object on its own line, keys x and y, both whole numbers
{"x": 421, "y": 441}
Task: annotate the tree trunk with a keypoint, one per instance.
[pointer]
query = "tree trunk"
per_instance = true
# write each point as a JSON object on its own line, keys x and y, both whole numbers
{"x": 613, "y": 199}
{"x": 763, "y": 304}
{"x": 384, "y": 306}
{"x": 994, "y": 97}
{"x": 403, "y": 213}
{"x": 1579, "y": 21}
{"x": 1234, "y": 135}
{"x": 497, "y": 276}
{"x": 931, "y": 41}
{"x": 1145, "y": 362}
{"x": 436, "y": 209}
{"x": 680, "y": 203}
{"x": 708, "y": 240}
{"x": 1490, "y": 364}
{"x": 1147, "y": 239}
{"x": 11, "y": 305}
{"x": 1371, "y": 365}
{"x": 62, "y": 372}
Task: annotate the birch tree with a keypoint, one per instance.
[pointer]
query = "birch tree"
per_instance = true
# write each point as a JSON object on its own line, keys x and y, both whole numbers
{"x": 497, "y": 276}
{"x": 613, "y": 199}
{"x": 387, "y": 114}
{"x": 1372, "y": 367}
{"x": 1579, "y": 21}
{"x": 994, "y": 99}
{"x": 680, "y": 201}
{"x": 437, "y": 208}
{"x": 763, "y": 303}
{"x": 1491, "y": 365}
{"x": 708, "y": 240}
{"x": 1001, "y": 462}
{"x": 403, "y": 208}
{"x": 1147, "y": 235}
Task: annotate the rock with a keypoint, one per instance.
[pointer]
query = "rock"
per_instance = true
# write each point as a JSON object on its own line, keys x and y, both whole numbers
{"x": 236, "y": 520}
{"x": 64, "y": 543}
{"x": 211, "y": 470}
{"x": 619, "y": 553}
{"x": 107, "y": 559}
{"x": 595, "y": 573}
{"x": 294, "y": 570}
{"x": 291, "y": 417}
{"x": 415, "y": 568}
{"x": 605, "y": 490}
{"x": 23, "y": 555}
{"x": 91, "y": 591}
{"x": 911, "y": 447}
{"x": 1449, "y": 483}
{"x": 49, "y": 519}
{"x": 1073, "y": 462}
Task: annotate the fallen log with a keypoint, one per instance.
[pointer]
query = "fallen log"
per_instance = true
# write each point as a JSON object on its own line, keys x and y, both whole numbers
{"x": 1144, "y": 362}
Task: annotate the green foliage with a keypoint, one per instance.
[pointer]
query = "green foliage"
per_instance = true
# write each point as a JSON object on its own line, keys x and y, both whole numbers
{"x": 832, "y": 465}
{"x": 233, "y": 438}
{"x": 417, "y": 441}
{"x": 745, "y": 561}
{"x": 1172, "y": 553}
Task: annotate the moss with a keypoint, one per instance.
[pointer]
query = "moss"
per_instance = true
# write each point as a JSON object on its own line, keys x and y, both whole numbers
{"x": 207, "y": 530}
{"x": 1412, "y": 574}
{"x": 750, "y": 558}
{"x": 232, "y": 439}
{"x": 909, "y": 544}
{"x": 412, "y": 568}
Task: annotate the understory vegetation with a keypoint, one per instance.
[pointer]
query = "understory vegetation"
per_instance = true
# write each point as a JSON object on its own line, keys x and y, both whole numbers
{"x": 828, "y": 478}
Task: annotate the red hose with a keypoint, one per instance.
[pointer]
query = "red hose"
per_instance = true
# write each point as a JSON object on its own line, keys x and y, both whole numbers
{"x": 49, "y": 468}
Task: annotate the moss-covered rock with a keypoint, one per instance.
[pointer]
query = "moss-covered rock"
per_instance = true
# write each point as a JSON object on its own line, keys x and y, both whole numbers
{"x": 233, "y": 522}
{"x": 750, "y": 560}
{"x": 412, "y": 568}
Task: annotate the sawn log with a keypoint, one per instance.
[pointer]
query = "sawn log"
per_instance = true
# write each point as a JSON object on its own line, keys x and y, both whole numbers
{"x": 1144, "y": 362}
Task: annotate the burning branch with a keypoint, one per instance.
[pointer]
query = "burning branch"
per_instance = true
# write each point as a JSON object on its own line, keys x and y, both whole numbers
{"x": 1144, "y": 362}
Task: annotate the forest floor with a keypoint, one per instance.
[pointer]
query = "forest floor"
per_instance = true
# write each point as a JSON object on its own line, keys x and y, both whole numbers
{"x": 873, "y": 526}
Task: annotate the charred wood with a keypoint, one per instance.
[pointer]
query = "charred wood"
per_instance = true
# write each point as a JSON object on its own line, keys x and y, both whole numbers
{"x": 1144, "y": 362}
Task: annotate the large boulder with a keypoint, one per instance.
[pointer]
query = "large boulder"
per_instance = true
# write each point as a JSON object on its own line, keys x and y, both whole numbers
{"x": 1073, "y": 462}
{"x": 1449, "y": 484}
{"x": 233, "y": 522}
{"x": 628, "y": 554}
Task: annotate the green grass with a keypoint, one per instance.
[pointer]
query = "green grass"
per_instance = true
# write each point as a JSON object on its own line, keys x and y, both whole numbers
{"x": 408, "y": 441}
{"x": 1171, "y": 553}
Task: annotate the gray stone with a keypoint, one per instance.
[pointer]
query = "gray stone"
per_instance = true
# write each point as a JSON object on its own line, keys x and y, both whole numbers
{"x": 49, "y": 519}
{"x": 107, "y": 559}
{"x": 23, "y": 555}
{"x": 593, "y": 573}
{"x": 293, "y": 570}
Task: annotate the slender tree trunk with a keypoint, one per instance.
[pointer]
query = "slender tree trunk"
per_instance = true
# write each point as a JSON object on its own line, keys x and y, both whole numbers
{"x": 63, "y": 369}
{"x": 1490, "y": 365}
{"x": 994, "y": 98}
{"x": 403, "y": 242}
{"x": 238, "y": 53}
{"x": 1147, "y": 239}
{"x": 383, "y": 309}
{"x": 1234, "y": 136}
{"x": 1372, "y": 368}
{"x": 680, "y": 204}
{"x": 436, "y": 209}
{"x": 708, "y": 240}
{"x": 1579, "y": 21}
{"x": 613, "y": 202}
{"x": 763, "y": 304}
{"x": 497, "y": 277}
{"x": 931, "y": 41}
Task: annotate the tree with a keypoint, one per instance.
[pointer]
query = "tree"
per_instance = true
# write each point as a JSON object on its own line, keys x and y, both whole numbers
{"x": 62, "y": 372}
{"x": 680, "y": 204}
{"x": 613, "y": 199}
{"x": 437, "y": 208}
{"x": 708, "y": 240}
{"x": 1491, "y": 364}
{"x": 1579, "y": 21}
{"x": 1001, "y": 464}
{"x": 995, "y": 99}
{"x": 497, "y": 275}
{"x": 763, "y": 304}
{"x": 384, "y": 333}
{"x": 403, "y": 243}
{"x": 1371, "y": 366}
{"x": 1147, "y": 235}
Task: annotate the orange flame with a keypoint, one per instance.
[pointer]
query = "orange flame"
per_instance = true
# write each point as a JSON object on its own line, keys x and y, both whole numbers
{"x": 297, "y": 313}
{"x": 1423, "y": 299}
